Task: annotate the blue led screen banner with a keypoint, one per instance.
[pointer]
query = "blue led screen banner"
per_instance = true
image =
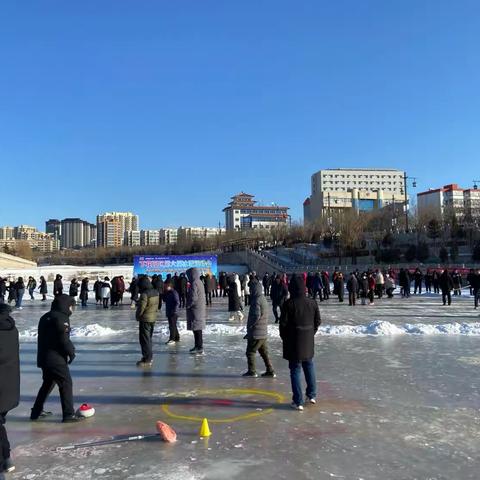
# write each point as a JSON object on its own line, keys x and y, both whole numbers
{"x": 155, "y": 264}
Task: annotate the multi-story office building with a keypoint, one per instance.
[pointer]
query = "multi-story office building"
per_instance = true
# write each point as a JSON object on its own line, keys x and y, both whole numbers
{"x": 168, "y": 236}
{"x": 198, "y": 233}
{"x": 7, "y": 233}
{"x": 54, "y": 227}
{"x": 244, "y": 213}
{"x": 359, "y": 188}
{"x": 11, "y": 237}
{"x": 449, "y": 200}
{"x": 77, "y": 233}
{"x": 25, "y": 232}
{"x": 132, "y": 238}
{"x": 471, "y": 202}
{"x": 149, "y": 237}
{"x": 112, "y": 226}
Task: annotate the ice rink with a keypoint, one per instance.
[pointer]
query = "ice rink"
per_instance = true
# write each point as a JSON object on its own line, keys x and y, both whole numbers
{"x": 398, "y": 398}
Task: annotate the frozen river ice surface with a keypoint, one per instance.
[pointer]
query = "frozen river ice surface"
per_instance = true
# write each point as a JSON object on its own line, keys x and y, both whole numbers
{"x": 398, "y": 398}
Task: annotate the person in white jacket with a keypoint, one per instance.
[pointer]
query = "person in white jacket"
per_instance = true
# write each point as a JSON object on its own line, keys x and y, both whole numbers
{"x": 379, "y": 283}
{"x": 105, "y": 291}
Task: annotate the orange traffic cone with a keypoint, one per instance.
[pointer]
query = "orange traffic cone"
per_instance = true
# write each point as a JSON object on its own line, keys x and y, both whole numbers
{"x": 205, "y": 429}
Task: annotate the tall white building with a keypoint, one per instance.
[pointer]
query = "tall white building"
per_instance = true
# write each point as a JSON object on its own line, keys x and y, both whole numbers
{"x": 132, "y": 238}
{"x": 149, "y": 237}
{"x": 112, "y": 226}
{"x": 362, "y": 189}
{"x": 76, "y": 233}
{"x": 200, "y": 233}
{"x": 168, "y": 236}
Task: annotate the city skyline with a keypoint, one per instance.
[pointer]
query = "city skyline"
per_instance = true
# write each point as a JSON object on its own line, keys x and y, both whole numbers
{"x": 202, "y": 99}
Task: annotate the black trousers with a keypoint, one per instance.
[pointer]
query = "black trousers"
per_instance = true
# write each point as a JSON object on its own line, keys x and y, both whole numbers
{"x": 352, "y": 298}
{"x": 260, "y": 346}
{"x": 447, "y": 296}
{"x": 198, "y": 336}
{"x": 182, "y": 300}
{"x": 105, "y": 303}
{"x": 56, "y": 375}
{"x": 172, "y": 325}
{"x": 371, "y": 297}
{"x": 319, "y": 292}
{"x": 476, "y": 296}
{"x": 145, "y": 334}
{"x": 4, "y": 443}
{"x": 275, "y": 307}
{"x": 208, "y": 296}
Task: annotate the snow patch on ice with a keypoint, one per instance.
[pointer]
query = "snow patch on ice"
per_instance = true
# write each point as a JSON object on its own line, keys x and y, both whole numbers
{"x": 93, "y": 330}
{"x": 375, "y": 328}
{"x": 381, "y": 328}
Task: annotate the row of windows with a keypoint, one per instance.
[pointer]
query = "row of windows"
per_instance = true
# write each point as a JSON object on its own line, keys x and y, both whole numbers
{"x": 257, "y": 211}
{"x": 331, "y": 175}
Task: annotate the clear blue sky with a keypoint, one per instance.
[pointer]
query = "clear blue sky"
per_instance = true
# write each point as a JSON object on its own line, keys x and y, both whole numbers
{"x": 168, "y": 107}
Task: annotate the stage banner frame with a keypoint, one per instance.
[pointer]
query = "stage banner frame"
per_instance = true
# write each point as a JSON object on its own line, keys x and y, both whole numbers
{"x": 165, "y": 264}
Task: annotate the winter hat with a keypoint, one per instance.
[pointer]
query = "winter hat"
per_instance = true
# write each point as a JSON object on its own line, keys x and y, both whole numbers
{"x": 85, "y": 411}
{"x": 144, "y": 284}
{"x": 62, "y": 303}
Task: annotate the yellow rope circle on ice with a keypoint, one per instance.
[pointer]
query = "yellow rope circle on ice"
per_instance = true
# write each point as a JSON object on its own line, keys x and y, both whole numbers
{"x": 229, "y": 391}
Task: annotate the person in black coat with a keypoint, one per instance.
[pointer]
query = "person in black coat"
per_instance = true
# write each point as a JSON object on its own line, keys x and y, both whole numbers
{"x": 12, "y": 292}
{"x": 417, "y": 281}
{"x": 9, "y": 380}
{"x": 134, "y": 291}
{"x": 223, "y": 283}
{"x": 73, "y": 289}
{"x": 172, "y": 302}
{"x": 182, "y": 292}
{"x": 475, "y": 284}
{"x": 436, "y": 282}
{"x": 471, "y": 279}
{"x": 428, "y": 281}
{"x": 209, "y": 286}
{"x": 20, "y": 292}
{"x": 55, "y": 352}
{"x": 298, "y": 325}
{"x": 97, "y": 288}
{"x": 43, "y": 288}
{"x": 84, "y": 292}
{"x": 158, "y": 285}
{"x": 58, "y": 285}
{"x": 352, "y": 288}
{"x": 278, "y": 295}
{"x": 446, "y": 286}
{"x": 340, "y": 286}
{"x": 3, "y": 290}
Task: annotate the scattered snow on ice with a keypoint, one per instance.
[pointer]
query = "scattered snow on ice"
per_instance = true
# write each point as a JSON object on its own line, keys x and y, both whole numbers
{"x": 93, "y": 330}
{"x": 374, "y": 328}
{"x": 381, "y": 328}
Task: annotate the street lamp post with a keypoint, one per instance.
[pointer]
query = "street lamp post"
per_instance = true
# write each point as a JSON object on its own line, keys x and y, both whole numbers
{"x": 414, "y": 184}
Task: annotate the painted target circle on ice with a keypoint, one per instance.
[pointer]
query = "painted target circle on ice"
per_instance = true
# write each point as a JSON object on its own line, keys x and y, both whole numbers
{"x": 218, "y": 405}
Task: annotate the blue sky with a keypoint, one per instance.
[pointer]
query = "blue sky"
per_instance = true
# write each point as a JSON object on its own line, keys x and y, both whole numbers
{"x": 167, "y": 108}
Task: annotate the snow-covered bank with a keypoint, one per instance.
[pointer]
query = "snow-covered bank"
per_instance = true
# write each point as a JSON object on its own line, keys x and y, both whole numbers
{"x": 376, "y": 328}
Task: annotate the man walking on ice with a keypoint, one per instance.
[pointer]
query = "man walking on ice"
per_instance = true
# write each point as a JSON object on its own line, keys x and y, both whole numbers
{"x": 298, "y": 325}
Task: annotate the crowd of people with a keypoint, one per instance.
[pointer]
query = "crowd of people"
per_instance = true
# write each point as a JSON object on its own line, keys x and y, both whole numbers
{"x": 294, "y": 304}
{"x": 299, "y": 322}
